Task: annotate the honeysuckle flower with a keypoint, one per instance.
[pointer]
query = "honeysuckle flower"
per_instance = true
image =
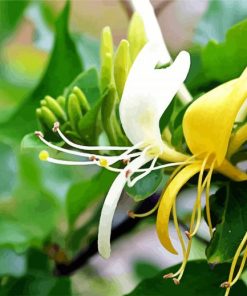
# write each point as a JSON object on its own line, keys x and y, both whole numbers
{"x": 207, "y": 126}
{"x": 147, "y": 93}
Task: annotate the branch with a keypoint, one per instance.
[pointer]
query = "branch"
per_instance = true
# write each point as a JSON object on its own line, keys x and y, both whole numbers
{"x": 68, "y": 268}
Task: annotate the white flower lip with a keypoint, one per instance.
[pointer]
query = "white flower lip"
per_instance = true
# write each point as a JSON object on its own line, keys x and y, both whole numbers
{"x": 149, "y": 91}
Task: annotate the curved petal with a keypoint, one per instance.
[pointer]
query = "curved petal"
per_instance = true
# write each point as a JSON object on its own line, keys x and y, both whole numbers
{"x": 232, "y": 172}
{"x": 167, "y": 201}
{"x": 145, "y": 9}
{"x": 148, "y": 92}
{"x": 110, "y": 205}
{"x": 209, "y": 120}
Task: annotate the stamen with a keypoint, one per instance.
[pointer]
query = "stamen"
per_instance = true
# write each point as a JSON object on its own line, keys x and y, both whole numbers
{"x": 133, "y": 182}
{"x": 208, "y": 214}
{"x": 168, "y": 276}
{"x": 69, "y": 163}
{"x": 81, "y": 147}
{"x": 110, "y": 159}
{"x": 232, "y": 281}
{"x": 134, "y": 215}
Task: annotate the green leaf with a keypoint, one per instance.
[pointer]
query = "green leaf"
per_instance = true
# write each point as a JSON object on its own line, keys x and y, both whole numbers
{"x": 38, "y": 281}
{"x": 88, "y": 49}
{"x": 146, "y": 186}
{"x": 82, "y": 194}
{"x": 88, "y": 82}
{"x": 229, "y": 216}
{"x": 8, "y": 173}
{"x": 144, "y": 269}
{"x": 226, "y": 60}
{"x": 11, "y": 263}
{"x": 32, "y": 143}
{"x": 64, "y": 65}
{"x": 10, "y": 15}
{"x": 220, "y": 16}
{"x": 198, "y": 279}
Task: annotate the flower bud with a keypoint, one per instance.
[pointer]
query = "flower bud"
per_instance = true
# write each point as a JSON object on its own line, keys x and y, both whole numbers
{"x": 136, "y": 36}
{"x": 122, "y": 65}
{"x": 74, "y": 111}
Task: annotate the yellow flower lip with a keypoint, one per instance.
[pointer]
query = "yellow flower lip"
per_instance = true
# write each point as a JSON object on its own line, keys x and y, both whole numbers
{"x": 208, "y": 122}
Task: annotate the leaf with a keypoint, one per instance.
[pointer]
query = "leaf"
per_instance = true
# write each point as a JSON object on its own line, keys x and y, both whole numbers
{"x": 88, "y": 49}
{"x": 198, "y": 279}
{"x": 229, "y": 216}
{"x": 32, "y": 142}
{"x": 146, "y": 186}
{"x": 88, "y": 82}
{"x": 226, "y": 60}
{"x": 29, "y": 216}
{"x": 82, "y": 194}
{"x": 38, "y": 281}
{"x": 11, "y": 263}
{"x": 10, "y": 15}
{"x": 8, "y": 173}
{"x": 220, "y": 16}
{"x": 64, "y": 65}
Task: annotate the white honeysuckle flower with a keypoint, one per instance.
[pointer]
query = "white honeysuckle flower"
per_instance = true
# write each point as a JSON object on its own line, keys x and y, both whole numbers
{"x": 153, "y": 32}
{"x": 147, "y": 93}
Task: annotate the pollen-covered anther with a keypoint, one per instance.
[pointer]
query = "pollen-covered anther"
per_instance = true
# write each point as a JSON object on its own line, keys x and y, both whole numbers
{"x": 168, "y": 276}
{"x": 126, "y": 161}
{"x": 176, "y": 281}
{"x": 43, "y": 155}
{"x": 39, "y": 134}
{"x": 92, "y": 158}
{"x": 103, "y": 162}
{"x": 225, "y": 285}
{"x": 187, "y": 233}
{"x": 127, "y": 173}
{"x": 55, "y": 126}
{"x": 131, "y": 214}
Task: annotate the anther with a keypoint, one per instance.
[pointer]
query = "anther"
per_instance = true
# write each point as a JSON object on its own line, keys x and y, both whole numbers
{"x": 127, "y": 173}
{"x": 187, "y": 233}
{"x": 103, "y": 162}
{"x": 176, "y": 281}
{"x": 92, "y": 158}
{"x": 39, "y": 134}
{"x": 168, "y": 276}
{"x": 43, "y": 155}
{"x": 225, "y": 285}
{"x": 125, "y": 161}
{"x": 55, "y": 126}
{"x": 131, "y": 214}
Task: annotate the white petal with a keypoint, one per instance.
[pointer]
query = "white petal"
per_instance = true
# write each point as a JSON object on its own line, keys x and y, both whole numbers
{"x": 152, "y": 28}
{"x": 148, "y": 92}
{"x": 110, "y": 205}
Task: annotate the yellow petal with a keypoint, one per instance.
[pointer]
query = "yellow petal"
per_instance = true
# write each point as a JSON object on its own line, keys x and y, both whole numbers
{"x": 167, "y": 201}
{"x": 232, "y": 172}
{"x": 237, "y": 140}
{"x": 209, "y": 120}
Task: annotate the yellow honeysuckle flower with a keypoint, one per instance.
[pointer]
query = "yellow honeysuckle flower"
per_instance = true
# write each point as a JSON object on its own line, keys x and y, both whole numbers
{"x": 207, "y": 126}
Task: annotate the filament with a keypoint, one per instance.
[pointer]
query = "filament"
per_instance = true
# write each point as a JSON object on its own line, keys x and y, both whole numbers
{"x": 232, "y": 281}
{"x": 81, "y": 147}
{"x": 143, "y": 215}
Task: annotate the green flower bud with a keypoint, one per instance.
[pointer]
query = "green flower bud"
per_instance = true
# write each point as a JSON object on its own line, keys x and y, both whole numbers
{"x": 106, "y": 55}
{"x": 53, "y": 105}
{"x": 122, "y": 65}
{"x": 82, "y": 99}
{"x": 61, "y": 101}
{"x": 136, "y": 36}
{"x": 74, "y": 111}
{"x": 48, "y": 117}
